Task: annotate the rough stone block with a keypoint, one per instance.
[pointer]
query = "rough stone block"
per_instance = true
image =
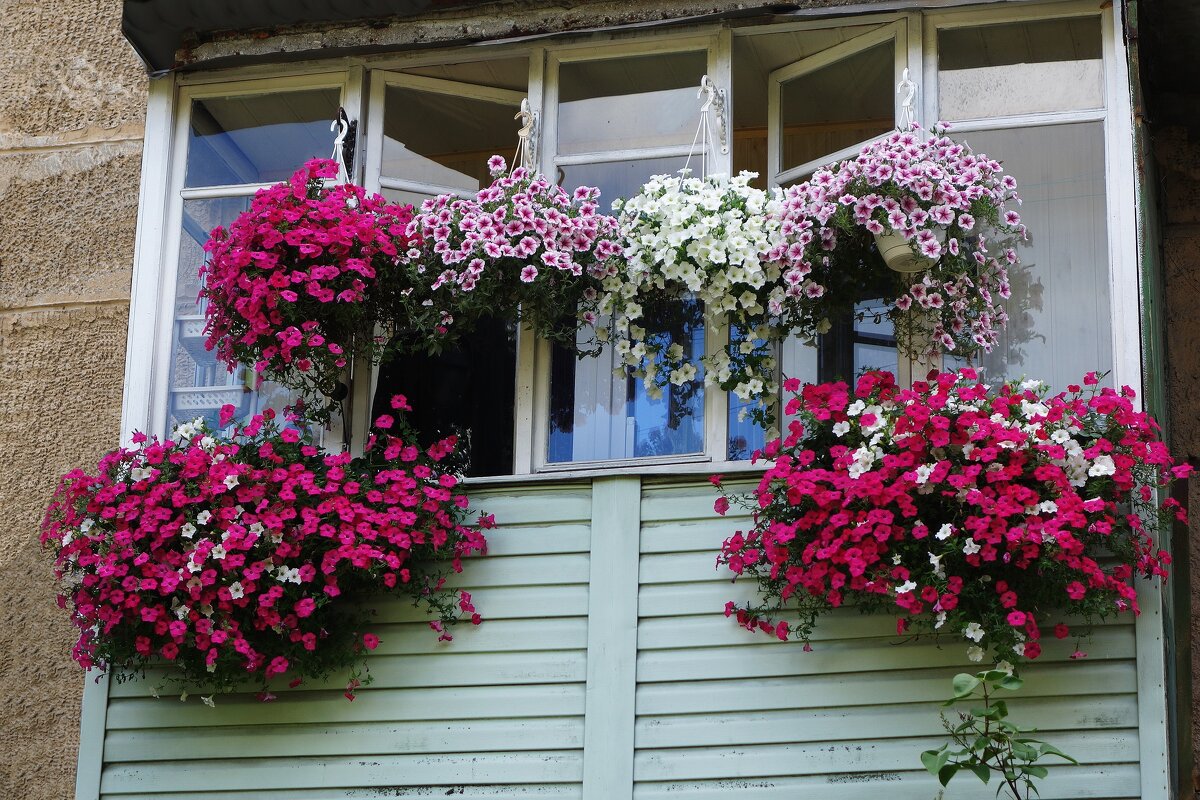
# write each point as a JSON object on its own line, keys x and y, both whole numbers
{"x": 61, "y": 376}
{"x": 70, "y": 218}
{"x": 65, "y": 68}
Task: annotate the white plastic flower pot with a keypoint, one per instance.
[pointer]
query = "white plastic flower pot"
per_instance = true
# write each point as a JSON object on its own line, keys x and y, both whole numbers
{"x": 898, "y": 253}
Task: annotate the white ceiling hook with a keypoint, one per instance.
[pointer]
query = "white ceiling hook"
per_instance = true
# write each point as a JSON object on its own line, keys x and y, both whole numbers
{"x": 341, "y": 124}
{"x": 908, "y": 93}
{"x": 526, "y": 137}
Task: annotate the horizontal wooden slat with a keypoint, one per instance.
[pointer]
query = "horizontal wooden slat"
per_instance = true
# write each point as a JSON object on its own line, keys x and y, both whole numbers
{"x": 703, "y": 597}
{"x": 536, "y": 539}
{"x": 374, "y": 705}
{"x": 842, "y": 689}
{"x": 1096, "y": 782}
{"x": 444, "y": 669}
{"x": 502, "y": 602}
{"x": 536, "y": 503}
{"x": 683, "y": 567}
{"x": 522, "y": 570}
{"x": 323, "y": 740}
{"x": 676, "y": 537}
{"x": 862, "y": 723}
{"x": 679, "y": 503}
{"x": 697, "y": 763}
{"x": 844, "y": 656}
{"x": 494, "y": 636}
{"x": 715, "y": 629}
{"x": 555, "y": 791}
{"x": 303, "y": 773}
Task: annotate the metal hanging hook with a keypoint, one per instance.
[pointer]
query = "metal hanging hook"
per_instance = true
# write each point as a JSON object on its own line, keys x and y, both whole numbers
{"x": 908, "y": 92}
{"x": 340, "y": 124}
{"x": 526, "y": 137}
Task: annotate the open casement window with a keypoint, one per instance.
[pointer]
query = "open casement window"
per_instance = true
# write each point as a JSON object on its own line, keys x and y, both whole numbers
{"x": 821, "y": 109}
{"x": 613, "y": 119}
{"x": 233, "y": 139}
{"x": 432, "y": 135}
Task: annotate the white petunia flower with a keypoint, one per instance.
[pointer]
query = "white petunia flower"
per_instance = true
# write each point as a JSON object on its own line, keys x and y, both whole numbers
{"x": 203, "y": 517}
{"x": 971, "y": 547}
{"x": 840, "y": 429}
{"x": 975, "y": 653}
{"x": 974, "y": 631}
{"x": 236, "y": 590}
{"x": 907, "y": 586}
{"x": 188, "y": 530}
{"x": 945, "y": 532}
{"x": 1103, "y": 465}
{"x": 231, "y": 481}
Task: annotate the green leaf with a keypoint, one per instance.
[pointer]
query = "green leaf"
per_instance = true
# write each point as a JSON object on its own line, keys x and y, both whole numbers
{"x": 982, "y": 772}
{"x": 947, "y": 772}
{"x": 964, "y": 684}
{"x": 1012, "y": 683}
{"x": 1036, "y": 771}
{"x": 1051, "y": 750}
{"x": 934, "y": 760}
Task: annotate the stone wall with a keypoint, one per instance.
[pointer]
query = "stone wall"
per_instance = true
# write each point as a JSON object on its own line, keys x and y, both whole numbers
{"x": 1177, "y": 157}
{"x": 72, "y": 103}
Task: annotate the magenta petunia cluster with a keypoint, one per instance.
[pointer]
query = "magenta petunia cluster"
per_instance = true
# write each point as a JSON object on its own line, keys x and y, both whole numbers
{"x": 292, "y": 285}
{"x": 240, "y": 558}
{"x": 983, "y": 515}
{"x": 955, "y": 209}
{"x": 523, "y": 245}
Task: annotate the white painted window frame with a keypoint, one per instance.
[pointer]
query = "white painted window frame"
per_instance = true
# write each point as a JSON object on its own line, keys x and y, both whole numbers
{"x": 533, "y": 381}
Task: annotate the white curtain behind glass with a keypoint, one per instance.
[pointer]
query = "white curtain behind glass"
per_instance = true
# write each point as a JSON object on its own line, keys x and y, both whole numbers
{"x": 1060, "y": 312}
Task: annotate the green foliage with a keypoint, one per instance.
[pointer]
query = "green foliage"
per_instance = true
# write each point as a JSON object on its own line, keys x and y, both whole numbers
{"x": 985, "y": 742}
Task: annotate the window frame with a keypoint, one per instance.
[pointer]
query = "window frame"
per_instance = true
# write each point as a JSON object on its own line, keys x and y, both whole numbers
{"x": 362, "y": 80}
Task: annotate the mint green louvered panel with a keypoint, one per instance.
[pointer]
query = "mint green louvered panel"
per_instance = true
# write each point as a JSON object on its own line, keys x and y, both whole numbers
{"x": 724, "y": 713}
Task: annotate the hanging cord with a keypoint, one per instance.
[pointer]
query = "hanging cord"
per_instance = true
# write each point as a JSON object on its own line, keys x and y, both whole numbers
{"x": 708, "y": 90}
{"x": 908, "y": 91}
{"x": 524, "y": 156}
{"x": 341, "y": 124}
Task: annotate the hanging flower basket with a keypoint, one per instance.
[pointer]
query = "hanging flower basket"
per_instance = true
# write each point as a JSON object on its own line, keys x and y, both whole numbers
{"x": 291, "y": 289}
{"x": 985, "y": 517}
{"x": 706, "y": 239}
{"x": 523, "y": 249}
{"x": 938, "y": 215}
{"x": 238, "y": 559}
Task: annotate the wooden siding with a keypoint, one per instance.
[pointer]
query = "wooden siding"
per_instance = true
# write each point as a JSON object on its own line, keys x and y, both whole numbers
{"x": 724, "y": 713}
{"x": 680, "y": 702}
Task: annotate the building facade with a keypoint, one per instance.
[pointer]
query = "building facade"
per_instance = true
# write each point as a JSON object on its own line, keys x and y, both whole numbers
{"x": 605, "y": 669}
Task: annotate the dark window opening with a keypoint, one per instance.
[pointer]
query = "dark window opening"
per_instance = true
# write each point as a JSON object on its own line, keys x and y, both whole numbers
{"x": 467, "y": 390}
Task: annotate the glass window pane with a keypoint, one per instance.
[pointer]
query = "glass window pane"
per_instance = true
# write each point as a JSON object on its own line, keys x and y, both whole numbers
{"x": 443, "y": 139}
{"x": 1060, "y": 312}
{"x": 468, "y": 389}
{"x": 259, "y": 138}
{"x": 838, "y": 105}
{"x": 199, "y": 384}
{"x": 503, "y": 73}
{"x": 596, "y": 415}
{"x": 744, "y": 435}
{"x": 1020, "y": 68}
{"x": 619, "y": 179}
{"x": 413, "y": 199}
{"x": 626, "y": 103}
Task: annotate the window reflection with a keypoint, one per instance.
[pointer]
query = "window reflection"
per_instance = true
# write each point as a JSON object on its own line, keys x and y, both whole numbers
{"x": 259, "y": 138}
{"x": 598, "y": 415}
{"x": 199, "y": 384}
{"x": 444, "y": 140}
{"x": 627, "y": 103}
{"x": 1020, "y": 68}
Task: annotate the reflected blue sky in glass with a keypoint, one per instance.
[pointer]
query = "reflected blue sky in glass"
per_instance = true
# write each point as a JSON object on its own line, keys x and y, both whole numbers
{"x": 258, "y": 138}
